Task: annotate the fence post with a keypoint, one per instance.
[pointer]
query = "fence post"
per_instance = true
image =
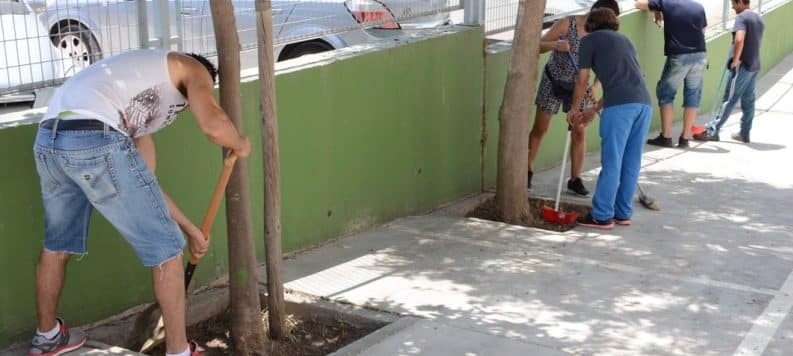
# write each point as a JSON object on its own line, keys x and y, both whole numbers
{"x": 143, "y": 25}
{"x": 725, "y": 14}
{"x": 474, "y": 12}
{"x": 178, "y": 11}
{"x": 162, "y": 24}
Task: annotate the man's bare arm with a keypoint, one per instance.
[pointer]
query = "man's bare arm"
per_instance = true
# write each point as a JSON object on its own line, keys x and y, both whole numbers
{"x": 198, "y": 243}
{"x": 642, "y": 5}
{"x": 737, "y": 46}
{"x": 210, "y": 116}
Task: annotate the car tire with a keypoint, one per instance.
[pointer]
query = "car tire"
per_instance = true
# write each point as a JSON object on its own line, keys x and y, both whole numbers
{"x": 76, "y": 42}
{"x": 302, "y": 49}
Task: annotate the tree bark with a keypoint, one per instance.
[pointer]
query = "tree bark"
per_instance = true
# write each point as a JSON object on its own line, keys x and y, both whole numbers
{"x": 272, "y": 174}
{"x": 513, "y": 137}
{"x": 247, "y": 329}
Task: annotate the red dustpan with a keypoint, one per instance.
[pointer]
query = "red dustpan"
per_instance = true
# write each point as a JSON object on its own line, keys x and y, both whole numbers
{"x": 696, "y": 130}
{"x": 554, "y": 215}
{"x": 559, "y": 217}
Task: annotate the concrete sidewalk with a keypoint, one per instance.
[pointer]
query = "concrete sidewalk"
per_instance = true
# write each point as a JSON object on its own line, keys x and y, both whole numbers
{"x": 711, "y": 274}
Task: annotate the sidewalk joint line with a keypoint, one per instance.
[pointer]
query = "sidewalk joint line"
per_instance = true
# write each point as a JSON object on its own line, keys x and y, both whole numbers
{"x": 764, "y": 328}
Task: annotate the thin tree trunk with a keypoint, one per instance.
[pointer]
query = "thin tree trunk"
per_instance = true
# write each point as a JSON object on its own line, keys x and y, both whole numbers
{"x": 272, "y": 174}
{"x": 513, "y": 136}
{"x": 247, "y": 329}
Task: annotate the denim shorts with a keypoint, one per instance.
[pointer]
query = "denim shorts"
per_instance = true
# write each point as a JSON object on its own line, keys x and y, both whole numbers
{"x": 85, "y": 169}
{"x": 688, "y": 69}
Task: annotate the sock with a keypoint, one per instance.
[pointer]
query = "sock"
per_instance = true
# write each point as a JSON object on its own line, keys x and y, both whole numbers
{"x": 52, "y": 333}
{"x": 186, "y": 352}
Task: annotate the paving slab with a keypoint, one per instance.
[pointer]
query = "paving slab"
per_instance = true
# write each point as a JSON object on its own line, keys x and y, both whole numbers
{"x": 710, "y": 274}
{"x": 436, "y": 339}
{"x": 782, "y": 343}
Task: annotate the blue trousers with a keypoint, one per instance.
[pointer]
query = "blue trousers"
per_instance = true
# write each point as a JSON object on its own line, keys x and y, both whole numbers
{"x": 745, "y": 92}
{"x": 623, "y": 129}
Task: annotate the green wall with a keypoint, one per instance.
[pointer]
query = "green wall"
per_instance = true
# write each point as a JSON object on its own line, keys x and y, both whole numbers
{"x": 362, "y": 141}
{"x": 648, "y": 39}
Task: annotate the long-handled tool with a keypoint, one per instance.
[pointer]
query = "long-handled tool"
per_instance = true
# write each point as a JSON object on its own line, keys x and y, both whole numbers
{"x": 717, "y": 110}
{"x": 646, "y": 200}
{"x": 156, "y": 330}
{"x": 555, "y": 215}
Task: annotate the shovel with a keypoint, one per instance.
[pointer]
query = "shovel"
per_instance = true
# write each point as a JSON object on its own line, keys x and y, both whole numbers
{"x": 144, "y": 325}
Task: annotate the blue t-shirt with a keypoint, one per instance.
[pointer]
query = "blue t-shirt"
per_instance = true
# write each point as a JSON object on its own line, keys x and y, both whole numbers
{"x": 752, "y": 23}
{"x": 683, "y": 24}
{"x": 613, "y": 58}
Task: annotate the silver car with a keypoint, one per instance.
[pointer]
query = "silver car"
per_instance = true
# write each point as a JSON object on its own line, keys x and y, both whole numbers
{"x": 87, "y": 30}
{"x": 27, "y": 55}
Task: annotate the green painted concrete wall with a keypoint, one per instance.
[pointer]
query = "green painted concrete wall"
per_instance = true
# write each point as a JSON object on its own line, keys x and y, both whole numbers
{"x": 648, "y": 39}
{"x": 362, "y": 141}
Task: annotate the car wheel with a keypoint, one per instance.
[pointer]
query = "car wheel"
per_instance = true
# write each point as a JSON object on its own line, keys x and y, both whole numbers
{"x": 301, "y": 49}
{"x": 77, "y": 46}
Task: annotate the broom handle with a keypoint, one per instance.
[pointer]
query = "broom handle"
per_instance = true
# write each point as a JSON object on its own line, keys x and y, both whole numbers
{"x": 209, "y": 217}
{"x": 561, "y": 170}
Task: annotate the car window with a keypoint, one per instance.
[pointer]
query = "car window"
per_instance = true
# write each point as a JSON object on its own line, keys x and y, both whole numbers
{"x": 12, "y": 7}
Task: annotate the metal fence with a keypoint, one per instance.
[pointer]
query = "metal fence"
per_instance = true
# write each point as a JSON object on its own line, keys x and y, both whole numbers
{"x": 45, "y": 41}
{"x": 500, "y": 15}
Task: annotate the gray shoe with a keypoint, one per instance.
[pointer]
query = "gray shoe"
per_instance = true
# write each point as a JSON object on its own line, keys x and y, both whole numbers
{"x": 66, "y": 340}
{"x": 738, "y": 137}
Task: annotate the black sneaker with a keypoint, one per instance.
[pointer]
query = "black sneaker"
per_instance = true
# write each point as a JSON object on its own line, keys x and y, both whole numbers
{"x": 738, "y": 137}
{"x": 661, "y": 141}
{"x": 705, "y": 136}
{"x": 66, "y": 340}
{"x": 528, "y": 181}
{"x": 682, "y": 142}
{"x": 576, "y": 186}
{"x": 589, "y": 221}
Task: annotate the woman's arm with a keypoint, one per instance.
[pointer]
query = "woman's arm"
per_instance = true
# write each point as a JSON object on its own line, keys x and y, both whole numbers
{"x": 550, "y": 40}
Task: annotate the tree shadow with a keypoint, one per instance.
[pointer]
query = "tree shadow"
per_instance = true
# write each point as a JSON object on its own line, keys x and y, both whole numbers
{"x": 688, "y": 280}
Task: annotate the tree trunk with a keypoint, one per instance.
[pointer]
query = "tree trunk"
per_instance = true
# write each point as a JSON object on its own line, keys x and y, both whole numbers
{"x": 247, "y": 329}
{"x": 272, "y": 174}
{"x": 513, "y": 136}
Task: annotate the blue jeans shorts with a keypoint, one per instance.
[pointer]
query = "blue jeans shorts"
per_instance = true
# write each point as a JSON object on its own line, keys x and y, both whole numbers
{"x": 687, "y": 69}
{"x": 82, "y": 170}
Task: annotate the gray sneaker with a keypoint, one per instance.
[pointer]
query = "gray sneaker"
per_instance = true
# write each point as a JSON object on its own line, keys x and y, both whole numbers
{"x": 66, "y": 340}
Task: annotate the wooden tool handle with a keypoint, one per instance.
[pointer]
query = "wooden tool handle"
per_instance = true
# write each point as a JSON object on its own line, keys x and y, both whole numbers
{"x": 217, "y": 196}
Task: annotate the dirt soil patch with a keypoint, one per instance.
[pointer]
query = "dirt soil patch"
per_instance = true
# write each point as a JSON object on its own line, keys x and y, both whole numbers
{"x": 309, "y": 336}
{"x": 487, "y": 211}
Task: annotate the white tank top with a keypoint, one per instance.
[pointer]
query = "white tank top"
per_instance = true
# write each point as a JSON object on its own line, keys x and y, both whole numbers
{"x": 132, "y": 92}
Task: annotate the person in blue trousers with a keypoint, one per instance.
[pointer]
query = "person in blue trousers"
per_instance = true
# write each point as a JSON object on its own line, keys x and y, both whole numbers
{"x": 626, "y": 106}
{"x": 744, "y": 64}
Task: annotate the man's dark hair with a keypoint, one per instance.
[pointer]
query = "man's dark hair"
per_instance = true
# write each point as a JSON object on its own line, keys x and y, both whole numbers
{"x": 213, "y": 71}
{"x": 745, "y": 2}
{"x": 608, "y": 4}
{"x": 602, "y": 19}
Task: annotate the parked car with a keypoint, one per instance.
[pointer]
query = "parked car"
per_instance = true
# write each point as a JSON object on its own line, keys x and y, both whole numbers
{"x": 27, "y": 55}
{"x": 87, "y": 30}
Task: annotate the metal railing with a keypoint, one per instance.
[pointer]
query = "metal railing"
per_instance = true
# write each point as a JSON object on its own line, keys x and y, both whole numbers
{"x": 45, "y": 41}
{"x": 500, "y": 15}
